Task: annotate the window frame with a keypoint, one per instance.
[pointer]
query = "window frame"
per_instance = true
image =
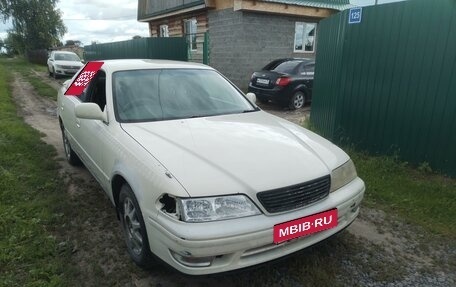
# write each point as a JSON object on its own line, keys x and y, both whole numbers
{"x": 163, "y": 31}
{"x": 189, "y": 34}
{"x": 303, "y": 39}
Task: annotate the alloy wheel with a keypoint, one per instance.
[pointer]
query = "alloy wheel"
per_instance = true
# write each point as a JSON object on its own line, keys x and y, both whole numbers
{"x": 132, "y": 227}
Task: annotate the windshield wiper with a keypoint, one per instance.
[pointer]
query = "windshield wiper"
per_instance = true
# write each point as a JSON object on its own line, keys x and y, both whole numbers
{"x": 196, "y": 116}
{"x": 249, "y": 111}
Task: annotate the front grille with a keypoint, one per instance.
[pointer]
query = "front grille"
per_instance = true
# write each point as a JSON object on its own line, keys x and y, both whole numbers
{"x": 295, "y": 196}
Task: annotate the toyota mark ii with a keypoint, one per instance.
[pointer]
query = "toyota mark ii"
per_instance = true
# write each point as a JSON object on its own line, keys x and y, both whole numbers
{"x": 200, "y": 176}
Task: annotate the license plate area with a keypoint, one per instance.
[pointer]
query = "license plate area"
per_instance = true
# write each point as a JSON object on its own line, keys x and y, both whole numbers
{"x": 262, "y": 81}
{"x": 305, "y": 226}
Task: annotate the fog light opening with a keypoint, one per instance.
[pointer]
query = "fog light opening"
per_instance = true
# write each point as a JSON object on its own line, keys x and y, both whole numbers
{"x": 354, "y": 207}
{"x": 192, "y": 261}
{"x": 167, "y": 204}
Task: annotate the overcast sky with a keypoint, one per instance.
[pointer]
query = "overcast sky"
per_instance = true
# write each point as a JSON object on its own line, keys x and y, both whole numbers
{"x": 98, "y": 20}
{"x": 111, "y": 20}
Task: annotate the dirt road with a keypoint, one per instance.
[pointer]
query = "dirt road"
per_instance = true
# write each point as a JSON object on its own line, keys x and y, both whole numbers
{"x": 377, "y": 250}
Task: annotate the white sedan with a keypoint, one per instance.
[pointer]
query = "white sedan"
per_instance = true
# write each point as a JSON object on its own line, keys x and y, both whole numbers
{"x": 199, "y": 175}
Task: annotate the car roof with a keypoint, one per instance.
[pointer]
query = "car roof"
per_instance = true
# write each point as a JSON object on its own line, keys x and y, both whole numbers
{"x": 274, "y": 63}
{"x": 307, "y": 60}
{"x": 144, "y": 64}
{"x": 64, "y": 52}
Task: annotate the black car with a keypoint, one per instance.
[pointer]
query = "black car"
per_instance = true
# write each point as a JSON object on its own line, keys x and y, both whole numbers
{"x": 286, "y": 81}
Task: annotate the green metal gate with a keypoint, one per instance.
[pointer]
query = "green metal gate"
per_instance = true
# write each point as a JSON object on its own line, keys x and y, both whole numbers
{"x": 198, "y": 47}
{"x": 388, "y": 83}
{"x": 174, "y": 48}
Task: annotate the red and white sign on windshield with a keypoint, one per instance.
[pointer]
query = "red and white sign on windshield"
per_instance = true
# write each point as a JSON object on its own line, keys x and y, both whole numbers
{"x": 83, "y": 79}
{"x": 305, "y": 226}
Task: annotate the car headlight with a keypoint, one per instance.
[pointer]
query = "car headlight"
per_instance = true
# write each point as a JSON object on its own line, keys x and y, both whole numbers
{"x": 216, "y": 208}
{"x": 58, "y": 66}
{"x": 343, "y": 175}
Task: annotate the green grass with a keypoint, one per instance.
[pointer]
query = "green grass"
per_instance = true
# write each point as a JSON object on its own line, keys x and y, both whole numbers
{"x": 41, "y": 87}
{"x": 418, "y": 196}
{"x": 32, "y": 201}
{"x": 21, "y": 66}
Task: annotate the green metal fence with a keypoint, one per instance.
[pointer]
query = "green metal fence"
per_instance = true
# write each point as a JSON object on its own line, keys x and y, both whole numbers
{"x": 174, "y": 48}
{"x": 388, "y": 83}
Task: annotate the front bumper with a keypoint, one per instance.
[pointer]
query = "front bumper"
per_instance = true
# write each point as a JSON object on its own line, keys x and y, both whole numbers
{"x": 243, "y": 242}
{"x": 66, "y": 72}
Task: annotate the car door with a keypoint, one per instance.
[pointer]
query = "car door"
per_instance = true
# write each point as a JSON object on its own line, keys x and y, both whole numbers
{"x": 66, "y": 105}
{"x": 93, "y": 135}
{"x": 309, "y": 73}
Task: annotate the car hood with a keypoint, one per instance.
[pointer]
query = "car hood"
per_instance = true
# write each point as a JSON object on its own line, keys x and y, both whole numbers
{"x": 68, "y": 63}
{"x": 240, "y": 153}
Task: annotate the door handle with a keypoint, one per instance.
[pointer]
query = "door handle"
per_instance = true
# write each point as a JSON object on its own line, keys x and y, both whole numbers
{"x": 78, "y": 123}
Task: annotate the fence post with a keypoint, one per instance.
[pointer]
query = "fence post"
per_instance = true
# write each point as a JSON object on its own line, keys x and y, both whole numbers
{"x": 206, "y": 49}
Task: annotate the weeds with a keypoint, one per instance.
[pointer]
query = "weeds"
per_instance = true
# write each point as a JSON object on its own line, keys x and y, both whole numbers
{"x": 32, "y": 202}
{"x": 27, "y": 71}
{"x": 420, "y": 197}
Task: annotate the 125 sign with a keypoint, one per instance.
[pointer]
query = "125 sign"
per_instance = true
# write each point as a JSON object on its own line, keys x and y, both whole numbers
{"x": 354, "y": 16}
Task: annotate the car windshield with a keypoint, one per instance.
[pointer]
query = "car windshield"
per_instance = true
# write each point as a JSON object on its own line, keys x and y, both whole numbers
{"x": 66, "y": 57}
{"x": 155, "y": 95}
{"x": 310, "y": 69}
{"x": 286, "y": 67}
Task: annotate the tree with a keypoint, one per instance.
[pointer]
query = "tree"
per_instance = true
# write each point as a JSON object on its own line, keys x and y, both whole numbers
{"x": 73, "y": 43}
{"x": 37, "y": 24}
{"x": 136, "y": 37}
{"x": 10, "y": 43}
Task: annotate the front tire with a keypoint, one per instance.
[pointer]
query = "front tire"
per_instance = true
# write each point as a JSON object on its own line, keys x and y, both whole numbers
{"x": 70, "y": 155}
{"x": 133, "y": 227}
{"x": 297, "y": 101}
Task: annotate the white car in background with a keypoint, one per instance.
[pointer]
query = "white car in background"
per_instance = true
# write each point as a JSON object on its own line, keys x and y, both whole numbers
{"x": 63, "y": 63}
{"x": 199, "y": 175}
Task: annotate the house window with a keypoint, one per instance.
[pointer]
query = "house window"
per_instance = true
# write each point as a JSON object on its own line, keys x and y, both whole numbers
{"x": 164, "y": 31}
{"x": 190, "y": 33}
{"x": 305, "y": 37}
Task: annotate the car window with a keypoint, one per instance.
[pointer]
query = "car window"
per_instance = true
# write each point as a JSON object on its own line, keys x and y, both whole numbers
{"x": 273, "y": 64}
{"x": 310, "y": 69}
{"x": 287, "y": 67}
{"x": 302, "y": 69}
{"x": 154, "y": 95}
{"x": 95, "y": 92}
{"x": 66, "y": 57}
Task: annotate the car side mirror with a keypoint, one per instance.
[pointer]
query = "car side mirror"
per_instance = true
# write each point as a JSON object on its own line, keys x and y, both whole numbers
{"x": 90, "y": 111}
{"x": 251, "y": 97}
